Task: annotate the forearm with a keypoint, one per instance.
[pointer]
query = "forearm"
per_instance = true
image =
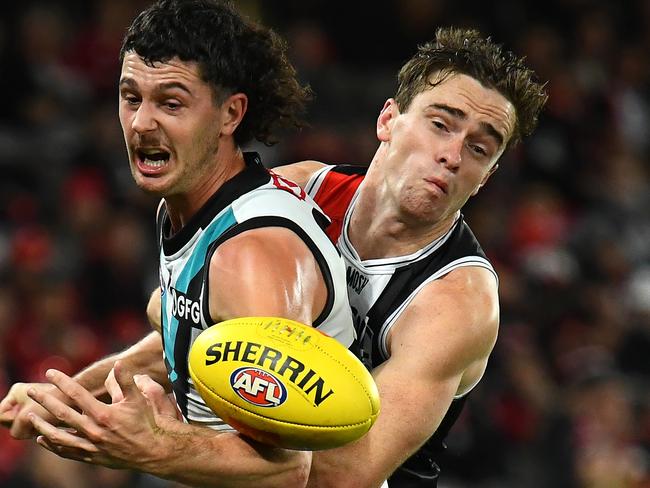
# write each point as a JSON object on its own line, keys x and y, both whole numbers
{"x": 144, "y": 357}
{"x": 199, "y": 456}
{"x": 352, "y": 466}
{"x": 410, "y": 412}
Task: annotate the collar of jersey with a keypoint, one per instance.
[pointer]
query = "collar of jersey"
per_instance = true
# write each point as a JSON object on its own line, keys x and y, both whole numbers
{"x": 380, "y": 265}
{"x": 253, "y": 176}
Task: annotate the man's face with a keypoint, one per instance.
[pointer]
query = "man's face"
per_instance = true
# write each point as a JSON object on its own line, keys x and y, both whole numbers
{"x": 171, "y": 125}
{"x": 444, "y": 147}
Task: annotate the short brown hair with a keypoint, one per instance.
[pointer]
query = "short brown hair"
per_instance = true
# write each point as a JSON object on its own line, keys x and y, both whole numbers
{"x": 465, "y": 51}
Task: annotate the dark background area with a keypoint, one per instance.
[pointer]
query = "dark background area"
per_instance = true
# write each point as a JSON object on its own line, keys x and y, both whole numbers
{"x": 565, "y": 400}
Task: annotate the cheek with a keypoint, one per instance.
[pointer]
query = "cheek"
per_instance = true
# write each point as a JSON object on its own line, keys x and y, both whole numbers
{"x": 203, "y": 130}
{"x": 126, "y": 121}
{"x": 209, "y": 137}
{"x": 184, "y": 137}
{"x": 473, "y": 180}
{"x": 414, "y": 138}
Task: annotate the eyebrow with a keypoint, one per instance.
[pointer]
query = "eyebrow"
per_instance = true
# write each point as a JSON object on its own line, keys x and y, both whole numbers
{"x": 131, "y": 83}
{"x": 127, "y": 82}
{"x": 459, "y": 114}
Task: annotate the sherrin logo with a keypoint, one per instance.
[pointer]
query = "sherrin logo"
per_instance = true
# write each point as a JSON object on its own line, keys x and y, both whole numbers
{"x": 258, "y": 387}
{"x": 283, "y": 383}
{"x": 305, "y": 378}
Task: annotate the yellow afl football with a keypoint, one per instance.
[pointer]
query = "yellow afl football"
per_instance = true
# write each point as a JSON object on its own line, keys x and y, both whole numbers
{"x": 283, "y": 383}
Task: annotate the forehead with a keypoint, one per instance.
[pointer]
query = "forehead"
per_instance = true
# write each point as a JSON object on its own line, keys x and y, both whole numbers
{"x": 134, "y": 69}
{"x": 481, "y": 104}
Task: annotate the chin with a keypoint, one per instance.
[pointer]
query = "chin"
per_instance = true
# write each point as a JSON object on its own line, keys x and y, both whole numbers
{"x": 425, "y": 212}
{"x": 151, "y": 186}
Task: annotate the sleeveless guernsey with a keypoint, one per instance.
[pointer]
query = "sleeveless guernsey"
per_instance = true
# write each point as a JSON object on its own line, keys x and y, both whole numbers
{"x": 380, "y": 289}
{"x": 252, "y": 199}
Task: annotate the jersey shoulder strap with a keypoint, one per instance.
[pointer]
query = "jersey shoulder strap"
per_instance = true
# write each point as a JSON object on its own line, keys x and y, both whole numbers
{"x": 333, "y": 188}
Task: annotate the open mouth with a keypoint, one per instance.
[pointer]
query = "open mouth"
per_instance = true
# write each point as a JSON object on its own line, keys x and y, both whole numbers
{"x": 152, "y": 158}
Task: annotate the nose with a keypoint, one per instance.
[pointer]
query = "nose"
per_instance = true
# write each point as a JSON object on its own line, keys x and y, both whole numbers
{"x": 144, "y": 119}
{"x": 450, "y": 153}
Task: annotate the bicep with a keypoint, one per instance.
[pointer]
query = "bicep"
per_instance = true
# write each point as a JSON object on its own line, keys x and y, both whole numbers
{"x": 453, "y": 323}
{"x": 439, "y": 336}
{"x": 266, "y": 272}
{"x": 439, "y": 344}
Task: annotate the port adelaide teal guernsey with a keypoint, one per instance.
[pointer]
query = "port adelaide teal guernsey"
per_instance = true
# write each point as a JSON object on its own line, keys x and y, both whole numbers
{"x": 254, "y": 198}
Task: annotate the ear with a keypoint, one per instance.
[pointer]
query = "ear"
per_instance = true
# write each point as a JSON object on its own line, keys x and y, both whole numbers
{"x": 233, "y": 110}
{"x": 487, "y": 177}
{"x": 386, "y": 118}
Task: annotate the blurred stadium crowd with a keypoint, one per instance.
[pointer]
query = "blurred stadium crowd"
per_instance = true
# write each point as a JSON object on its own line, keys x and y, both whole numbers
{"x": 566, "y": 219}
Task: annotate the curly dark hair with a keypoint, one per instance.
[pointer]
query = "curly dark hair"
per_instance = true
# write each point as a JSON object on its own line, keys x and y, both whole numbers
{"x": 465, "y": 51}
{"x": 234, "y": 55}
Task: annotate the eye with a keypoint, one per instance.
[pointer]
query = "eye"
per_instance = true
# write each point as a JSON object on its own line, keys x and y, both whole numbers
{"x": 439, "y": 125}
{"x": 130, "y": 99}
{"x": 172, "y": 105}
{"x": 478, "y": 150}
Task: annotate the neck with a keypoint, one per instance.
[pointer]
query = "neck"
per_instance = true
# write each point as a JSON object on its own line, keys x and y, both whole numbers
{"x": 381, "y": 234}
{"x": 183, "y": 206}
{"x": 380, "y": 229}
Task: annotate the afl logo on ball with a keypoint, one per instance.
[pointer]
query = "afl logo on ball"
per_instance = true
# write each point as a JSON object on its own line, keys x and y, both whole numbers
{"x": 258, "y": 387}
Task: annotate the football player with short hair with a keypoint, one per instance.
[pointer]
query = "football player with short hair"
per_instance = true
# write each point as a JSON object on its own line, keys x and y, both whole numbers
{"x": 422, "y": 291}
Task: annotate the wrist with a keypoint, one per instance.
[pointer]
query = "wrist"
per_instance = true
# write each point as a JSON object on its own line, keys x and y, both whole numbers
{"x": 165, "y": 445}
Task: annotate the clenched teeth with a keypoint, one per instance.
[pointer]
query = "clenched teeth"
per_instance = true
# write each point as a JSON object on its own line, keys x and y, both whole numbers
{"x": 154, "y": 163}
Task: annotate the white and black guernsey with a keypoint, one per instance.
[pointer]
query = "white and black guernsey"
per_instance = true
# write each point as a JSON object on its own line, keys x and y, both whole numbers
{"x": 252, "y": 199}
{"x": 380, "y": 289}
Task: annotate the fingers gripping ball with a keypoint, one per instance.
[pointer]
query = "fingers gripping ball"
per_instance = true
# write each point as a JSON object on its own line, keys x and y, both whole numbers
{"x": 283, "y": 383}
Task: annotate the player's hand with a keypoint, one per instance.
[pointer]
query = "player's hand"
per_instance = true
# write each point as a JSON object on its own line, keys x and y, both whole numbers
{"x": 16, "y": 407}
{"x": 123, "y": 434}
{"x": 163, "y": 405}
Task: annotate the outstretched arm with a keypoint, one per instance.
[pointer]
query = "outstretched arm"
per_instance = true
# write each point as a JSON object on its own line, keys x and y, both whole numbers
{"x": 140, "y": 430}
{"x": 439, "y": 347}
{"x": 269, "y": 272}
{"x": 144, "y": 357}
